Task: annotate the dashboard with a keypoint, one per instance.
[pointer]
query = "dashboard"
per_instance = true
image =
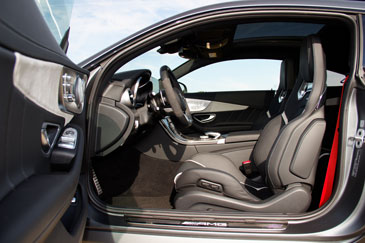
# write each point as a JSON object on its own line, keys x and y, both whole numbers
{"x": 123, "y": 111}
{"x": 137, "y": 87}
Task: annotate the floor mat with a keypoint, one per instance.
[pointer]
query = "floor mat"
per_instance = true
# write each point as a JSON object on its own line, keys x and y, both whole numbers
{"x": 131, "y": 179}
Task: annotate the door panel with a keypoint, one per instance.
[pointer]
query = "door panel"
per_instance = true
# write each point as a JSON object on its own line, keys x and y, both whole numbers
{"x": 36, "y": 187}
{"x": 228, "y": 111}
{"x": 34, "y": 193}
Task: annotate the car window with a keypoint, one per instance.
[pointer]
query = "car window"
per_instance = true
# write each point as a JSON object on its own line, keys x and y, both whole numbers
{"x": 234, "y": 75}
{"x": 57, "y": 15}
{"x": 273, "y": 29}
{"x": 334, "y": 79}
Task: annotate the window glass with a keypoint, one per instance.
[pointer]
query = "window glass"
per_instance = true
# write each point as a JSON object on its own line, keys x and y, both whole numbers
{"x": 57, "y": 14}
{"x": 334, "y": 79}
{"x": 275, "y": 29}
{"x": 234, "y": 75}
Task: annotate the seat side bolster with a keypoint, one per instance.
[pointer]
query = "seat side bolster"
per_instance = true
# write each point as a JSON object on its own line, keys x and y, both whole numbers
{"x": 295, "y": 199}
{"x": 231, "y": 187}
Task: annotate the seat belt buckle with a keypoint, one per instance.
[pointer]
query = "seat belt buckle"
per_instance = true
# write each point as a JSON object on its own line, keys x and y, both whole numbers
{"x": 246, "y": 167}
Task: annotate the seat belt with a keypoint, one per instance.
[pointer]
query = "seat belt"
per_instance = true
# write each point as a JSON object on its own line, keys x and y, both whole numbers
{"x": 331, "y": 167}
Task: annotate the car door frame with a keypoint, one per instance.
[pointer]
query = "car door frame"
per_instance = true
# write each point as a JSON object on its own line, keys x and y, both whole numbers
{"x": 135, "y": 45}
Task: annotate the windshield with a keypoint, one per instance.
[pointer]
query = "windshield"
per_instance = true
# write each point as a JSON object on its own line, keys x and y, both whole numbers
{"x": 97, "y": 24}
{"x": 153, "y": 61}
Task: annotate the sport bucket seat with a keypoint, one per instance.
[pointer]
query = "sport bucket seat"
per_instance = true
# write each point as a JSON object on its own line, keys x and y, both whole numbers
{"x": 285, "y": 155}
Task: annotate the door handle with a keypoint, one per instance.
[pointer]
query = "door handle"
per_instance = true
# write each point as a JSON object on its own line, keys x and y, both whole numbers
{"x": 204, "y": 118}
{"x": 214, "y": 135}
{"x": 49, "y": 134}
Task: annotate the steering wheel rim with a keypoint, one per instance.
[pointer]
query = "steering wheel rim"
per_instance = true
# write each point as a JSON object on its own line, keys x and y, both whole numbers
{"x": 175, "y": 97}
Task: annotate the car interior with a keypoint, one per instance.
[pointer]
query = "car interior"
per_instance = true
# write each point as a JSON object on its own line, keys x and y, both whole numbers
{"x": 159, "y": 145}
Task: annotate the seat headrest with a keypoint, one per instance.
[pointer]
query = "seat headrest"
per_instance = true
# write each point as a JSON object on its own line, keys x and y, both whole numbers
{"x": 282, "y": 84}
{"x": 306, "y": 67}
{"x": 304, "y": 96}
{"x": 287, "y": 75}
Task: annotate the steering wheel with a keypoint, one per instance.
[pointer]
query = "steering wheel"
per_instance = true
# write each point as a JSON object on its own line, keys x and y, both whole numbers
{"x": 175, "y": 97}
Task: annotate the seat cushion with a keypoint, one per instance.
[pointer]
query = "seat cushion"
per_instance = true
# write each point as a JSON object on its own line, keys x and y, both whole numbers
{"x": 212, "y": 161}
{"x": 216, "y": 170}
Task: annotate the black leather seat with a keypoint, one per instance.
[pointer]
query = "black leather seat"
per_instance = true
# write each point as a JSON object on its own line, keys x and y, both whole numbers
{"x": 285, "y": 155}
{"x": 286, "y": 84}
{"x": 277, "y": 104}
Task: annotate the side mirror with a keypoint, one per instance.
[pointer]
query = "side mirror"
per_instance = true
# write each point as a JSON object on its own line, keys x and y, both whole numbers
{"x": 183, "y": 87}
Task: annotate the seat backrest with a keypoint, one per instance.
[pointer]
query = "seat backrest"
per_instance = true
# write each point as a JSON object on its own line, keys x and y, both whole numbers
{"x": 277, "y": 103}
{"x": 287, "y": 79}
{"x": 288, "y": 148}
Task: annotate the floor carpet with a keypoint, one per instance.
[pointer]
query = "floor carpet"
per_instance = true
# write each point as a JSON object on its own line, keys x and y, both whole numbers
{"x": 134, "y": 180}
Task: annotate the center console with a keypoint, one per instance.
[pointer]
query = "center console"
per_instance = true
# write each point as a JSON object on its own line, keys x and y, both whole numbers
{"x": 166, "y": 142}
{"x": 208, "y": 137}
